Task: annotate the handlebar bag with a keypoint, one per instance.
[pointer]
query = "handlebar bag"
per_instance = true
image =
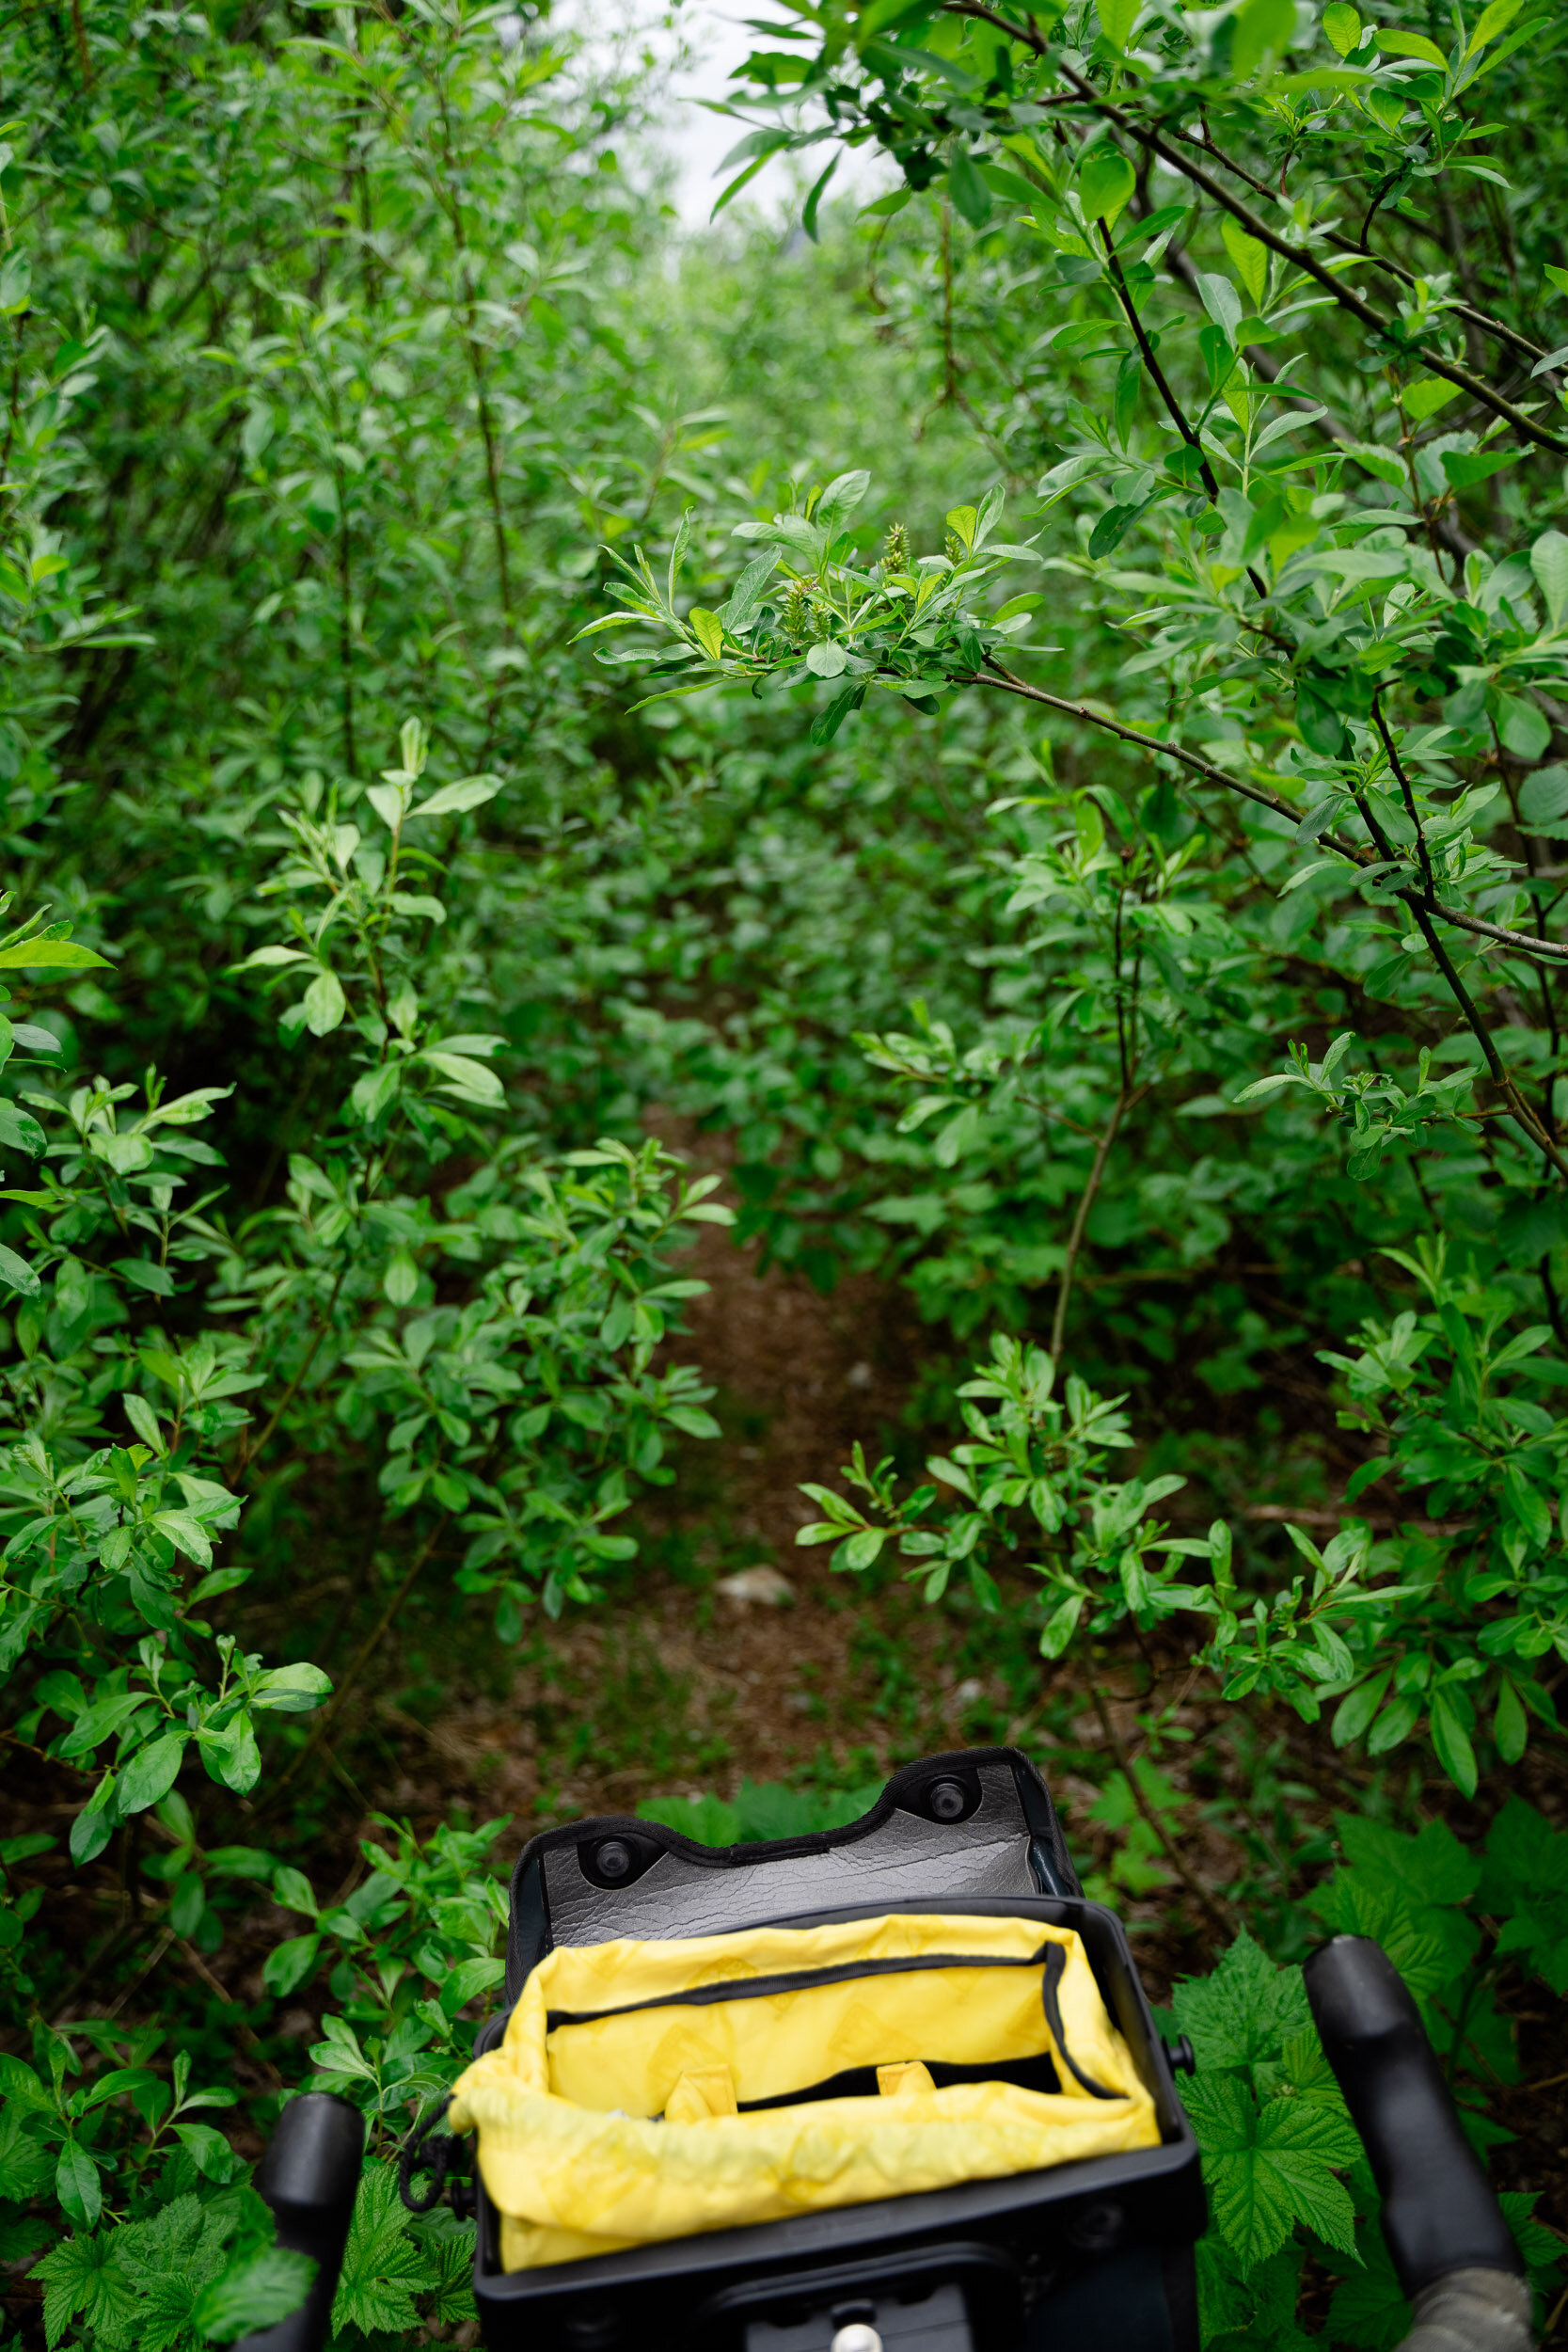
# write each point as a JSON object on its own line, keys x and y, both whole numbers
{"x": 653, "y": 2088}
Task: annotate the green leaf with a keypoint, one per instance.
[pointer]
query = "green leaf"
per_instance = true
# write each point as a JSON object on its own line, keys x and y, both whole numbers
{"x": 1525, "y": 728}
{"x": 1424, "y": 398}
{"x": 1250, "y": 258}
{"x": 470, "y": 1978}
{"x": 1342, "y": 25}
{"x": 187, "y": 1532}
{"x": 1368, "y": 2307}
{"x": 1264, "y": 28}
{"x": 208, "y": 2151}
{"x": 16, "y": 273}
{"x": 750, "y": 591}
{"x": 17, "y": 1274}
{"x": 288, "y": 1964}
{"x": 1526, "y": 1883}
{"x": 827, "y": 722}
{"x": 87, "y": 2275}
{"x": 808, "y": 214}
{"x": 1494, "y": 19}
{"x": 1510, "y": 1725}
{"x": 1355, "y": 1713}
{"x": 293, "y": 1890}
{"x": 291, "y": 1690}
{"x": 1270, "y": 2165}
{"x": 1433, "y": 1866}
{"x": 1544, "y": 798}
{"x": 1104, "y": 184}
{"x": 707, "y": 1820}
{"x": 151, "y": 1775}
{"x": 1118, "y": 19}
{"x": 709, "y": 632}
{"x": 1397, "y": 44}
{"x": 843, "y": 494}
{"x": 77, "y": 2186}
{"x": 1466, "y": 467}
{"x": 26, "y": 2165}
{"x": 469, "y": 1079}
{"x": 401, "y": 1280}
{"x": 252, "y": 2295}
{"x": 1548, "y": 561}
{"x": 453, "y": 798}
{"x": 1242, "y": 2014}
{"x": 324, "y": 1004}
{"x": 384, "y": 2266}
{"x": 37, "y": 955}
{"x": 24, "y": 1133}
{"x": 1452, "y": 1743}
{"x": 969, "y": 194}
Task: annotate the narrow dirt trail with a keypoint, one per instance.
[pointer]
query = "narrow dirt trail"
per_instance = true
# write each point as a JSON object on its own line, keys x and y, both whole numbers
{"x": 672, "y": 1686}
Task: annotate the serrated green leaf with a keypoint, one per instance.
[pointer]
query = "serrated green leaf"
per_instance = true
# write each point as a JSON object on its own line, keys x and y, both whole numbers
{"x": 1242, "y": 2014}
{"x": 383, "y": 2265}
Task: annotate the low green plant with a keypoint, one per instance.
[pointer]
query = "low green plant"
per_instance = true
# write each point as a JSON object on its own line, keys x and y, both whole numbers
{"x": 1284, "y": 2167}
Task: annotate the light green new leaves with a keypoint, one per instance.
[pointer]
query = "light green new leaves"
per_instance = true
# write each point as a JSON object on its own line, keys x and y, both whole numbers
{"x": 708, "y": 631}
{"x": 1250, "y": 258}
{"x": 34, "y": 955}
{"x": 1492, "y": 20}
{"x": 1342, "y": 25}
{"x": 324, "y": 1004}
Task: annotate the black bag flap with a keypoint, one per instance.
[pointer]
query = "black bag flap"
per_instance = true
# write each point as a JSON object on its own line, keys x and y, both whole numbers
{"x": 979, "y": 1823}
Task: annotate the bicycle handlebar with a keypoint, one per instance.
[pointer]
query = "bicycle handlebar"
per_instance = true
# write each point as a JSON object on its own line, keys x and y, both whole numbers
{"x": 1451, "y": 2247}
{"x": 1439, "y": 2213}
{"x": 308, "y": 2176}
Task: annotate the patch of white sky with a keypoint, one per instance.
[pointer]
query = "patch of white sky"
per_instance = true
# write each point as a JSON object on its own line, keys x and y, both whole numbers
{"x": 685, "y": 56}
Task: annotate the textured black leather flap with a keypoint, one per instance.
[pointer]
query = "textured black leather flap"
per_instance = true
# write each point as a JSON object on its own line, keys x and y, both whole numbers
{"x": 978, "y": 1822}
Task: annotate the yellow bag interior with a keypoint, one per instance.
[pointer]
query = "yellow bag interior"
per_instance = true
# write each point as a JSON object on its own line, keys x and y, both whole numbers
{"x": 646, "y": 2090}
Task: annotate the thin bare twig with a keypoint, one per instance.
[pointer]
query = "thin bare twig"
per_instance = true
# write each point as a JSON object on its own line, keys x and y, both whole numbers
{"x": 327, "y": 1715}
{"x": 1124, "y": 1103}
{"x": 1215, "y": 1906}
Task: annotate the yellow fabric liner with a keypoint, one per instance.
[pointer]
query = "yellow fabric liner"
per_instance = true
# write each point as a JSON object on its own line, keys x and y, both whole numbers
{"x": 578, "y": 2162}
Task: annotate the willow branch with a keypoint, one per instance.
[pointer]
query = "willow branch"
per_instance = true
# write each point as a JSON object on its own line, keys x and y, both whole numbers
{"x": 1145, "y": 350}
{"x": 1085, "y": 1202}
{"x": 1384, "y": 262}
{"x": 1298, "y": 256}
{"x": 1521, "y": 943}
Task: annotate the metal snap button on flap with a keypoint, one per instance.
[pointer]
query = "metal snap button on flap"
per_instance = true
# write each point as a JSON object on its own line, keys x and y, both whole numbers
{"x": 614, "y": 1859}
{"x": 857, "y": 2337}
{"x": 948, "y": 1800}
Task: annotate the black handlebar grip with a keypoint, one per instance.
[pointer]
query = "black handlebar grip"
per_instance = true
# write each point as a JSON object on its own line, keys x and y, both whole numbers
{"x": 308, "y": 2176}
{"x": 1439, "y": 2213}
